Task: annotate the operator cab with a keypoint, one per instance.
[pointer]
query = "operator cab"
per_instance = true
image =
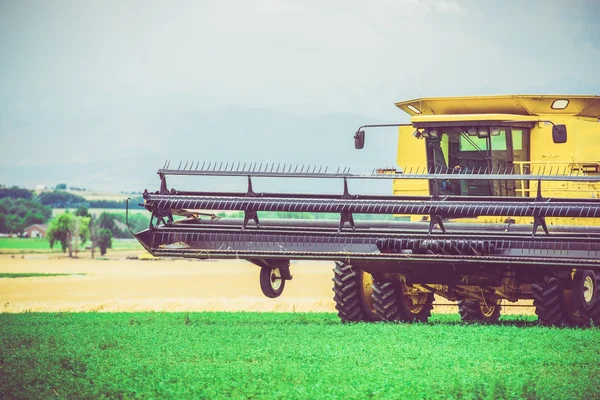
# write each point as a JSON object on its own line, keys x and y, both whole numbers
{"x": 476, "y": 148}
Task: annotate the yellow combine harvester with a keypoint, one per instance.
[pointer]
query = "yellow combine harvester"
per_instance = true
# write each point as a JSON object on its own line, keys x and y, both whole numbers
{"x": 502, "y": 193}
{"x": 503, "y": 134}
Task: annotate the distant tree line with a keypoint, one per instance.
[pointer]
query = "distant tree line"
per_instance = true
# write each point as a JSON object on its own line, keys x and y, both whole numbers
{"x": 16, "y": 193}
{"x": 62, "y": 199}
{"x": 16, "y": 214}
{"x": 20, "y": 208}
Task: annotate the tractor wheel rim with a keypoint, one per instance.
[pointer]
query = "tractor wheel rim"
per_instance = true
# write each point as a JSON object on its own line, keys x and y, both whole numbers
{"x": 276, "y": 279}
{"x": 415, "y": 303}
{"x": 367, "y": 290}
{"x": 588, "y": 289}
{"x": 487, "y": 310}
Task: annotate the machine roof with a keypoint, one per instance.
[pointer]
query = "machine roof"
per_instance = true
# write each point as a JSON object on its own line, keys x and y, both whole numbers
{"x": 581, "y": 106}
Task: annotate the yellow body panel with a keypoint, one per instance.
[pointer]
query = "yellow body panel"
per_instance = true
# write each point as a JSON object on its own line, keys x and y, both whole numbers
{"x": 581, "y": 106}
{"x": 411, "y": 156}
{"x": 580, "y": 154}
{"x": 474, "y": 117}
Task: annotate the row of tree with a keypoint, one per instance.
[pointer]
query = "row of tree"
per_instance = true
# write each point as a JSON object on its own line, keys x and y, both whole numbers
{"x": 61, "y": 199}
{"x": 20, "y": 208}
{"x": 74, "y": 230}
{"x": 16, "y": 214}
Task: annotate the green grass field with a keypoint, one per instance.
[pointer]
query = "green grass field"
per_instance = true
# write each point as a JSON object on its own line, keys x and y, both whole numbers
{"x": 311, "y": 356}
{"x": 27, "y": 245}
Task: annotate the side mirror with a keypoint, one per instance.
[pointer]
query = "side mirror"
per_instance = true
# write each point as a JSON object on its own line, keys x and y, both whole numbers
{"x": 359, "y": 140}
{"x": 559, "y": 133}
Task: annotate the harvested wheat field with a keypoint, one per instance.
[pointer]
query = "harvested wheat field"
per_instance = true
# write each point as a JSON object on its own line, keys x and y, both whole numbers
{"x": 121, "y": 282}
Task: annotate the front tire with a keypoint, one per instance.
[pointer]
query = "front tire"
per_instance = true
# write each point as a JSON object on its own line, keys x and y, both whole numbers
{"x": 554, "y": 305}
{"x": 352, "y": 293}
{"x": 475, "y": 311}
{"x": 394, "y": 303}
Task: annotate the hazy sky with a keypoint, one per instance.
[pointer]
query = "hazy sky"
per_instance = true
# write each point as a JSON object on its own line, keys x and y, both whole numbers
{"x": 303, "y": 57}
{"x": 99, "y": 93}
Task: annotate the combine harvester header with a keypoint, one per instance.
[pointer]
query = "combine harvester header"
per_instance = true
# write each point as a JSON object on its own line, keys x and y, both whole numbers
{"x": 502, "y": 207}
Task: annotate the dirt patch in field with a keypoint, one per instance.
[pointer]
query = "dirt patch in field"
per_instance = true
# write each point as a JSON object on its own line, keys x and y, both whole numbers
{"x": 120, "y": 284}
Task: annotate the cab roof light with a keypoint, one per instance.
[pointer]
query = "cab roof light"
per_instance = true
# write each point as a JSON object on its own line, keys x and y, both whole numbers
{"x": 560, "y": 104}
{"x": 472, "y": 132}
{"x": 413, "y": 109}
{"x": 495, "y": 131}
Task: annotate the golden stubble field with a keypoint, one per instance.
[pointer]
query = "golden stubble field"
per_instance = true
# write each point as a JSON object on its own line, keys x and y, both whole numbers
{"x": 121, "y": 284}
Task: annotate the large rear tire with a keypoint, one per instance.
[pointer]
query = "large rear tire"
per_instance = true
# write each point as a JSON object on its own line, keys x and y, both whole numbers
{"x": 394, "y": 303}
{"x": 352, "y": 293}
{"x": 554, "y": 305}
{"x": 475, "y": 311}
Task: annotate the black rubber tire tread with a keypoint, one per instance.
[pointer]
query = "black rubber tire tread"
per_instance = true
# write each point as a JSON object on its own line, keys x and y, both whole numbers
{"x": 385, "y": 301}
{"x": 390, "y": 304}
{"x": 470, "y": 311}
{"x": 265, "y": 284}
{"x": 547, "y": 300}
{"x": 551, "y": 307}
{"x": 348, "y": 296}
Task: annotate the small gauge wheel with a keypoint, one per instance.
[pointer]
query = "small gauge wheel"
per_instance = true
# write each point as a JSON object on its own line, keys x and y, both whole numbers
{"x": 271, "y": 282}
{"x": 585, "y": 289}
